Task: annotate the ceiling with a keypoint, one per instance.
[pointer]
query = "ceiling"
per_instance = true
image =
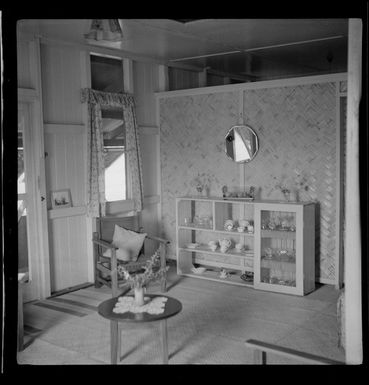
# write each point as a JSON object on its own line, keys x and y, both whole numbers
{"x": 247, "y": 49}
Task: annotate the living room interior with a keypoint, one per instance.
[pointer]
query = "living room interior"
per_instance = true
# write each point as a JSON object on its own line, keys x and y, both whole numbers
{"x": 233, "y": 143}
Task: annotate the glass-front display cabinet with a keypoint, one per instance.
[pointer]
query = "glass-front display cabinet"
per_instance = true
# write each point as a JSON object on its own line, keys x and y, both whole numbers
{"x": 284, "y": 257}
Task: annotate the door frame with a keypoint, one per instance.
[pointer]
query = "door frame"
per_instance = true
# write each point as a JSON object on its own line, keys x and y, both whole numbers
{"x": 37, "y": 158}
{"x": 33, "y": 97}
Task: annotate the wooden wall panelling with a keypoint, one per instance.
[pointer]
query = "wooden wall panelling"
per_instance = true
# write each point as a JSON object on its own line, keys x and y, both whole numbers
{"x": 61, "y": 82}
{"x": 146, "y": 82}
{"x": 182, "y": 79}
{"x": 145, "y": 77}
{"x": 69, "y": 254}
{"x": 65, "y": 162}
{"x": 148, "y": 155}
{"x": 25, "y": 79}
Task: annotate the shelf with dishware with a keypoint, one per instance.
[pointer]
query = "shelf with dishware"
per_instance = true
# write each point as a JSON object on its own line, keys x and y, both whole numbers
{"x": 266, "y": 244}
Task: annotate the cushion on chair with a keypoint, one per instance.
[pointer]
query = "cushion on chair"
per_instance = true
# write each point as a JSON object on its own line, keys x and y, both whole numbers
{"x": 122, "y": 254}
{"x": 129, "y": 242}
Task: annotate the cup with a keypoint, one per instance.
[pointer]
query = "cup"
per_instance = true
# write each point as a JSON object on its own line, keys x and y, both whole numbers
{"x": 239, "y": 246}
{"x": 213, "y": 245}
{"x": 243, "y": 223}
{"x": 250, "y": 229}
{"x": 240, "y": 229}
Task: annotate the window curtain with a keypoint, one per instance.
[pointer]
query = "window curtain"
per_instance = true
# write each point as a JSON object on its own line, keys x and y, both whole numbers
{"x": 96, "y": 205}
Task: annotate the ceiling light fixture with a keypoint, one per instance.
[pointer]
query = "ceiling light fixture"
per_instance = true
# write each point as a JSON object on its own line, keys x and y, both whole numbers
{"x": 105, "y": 29}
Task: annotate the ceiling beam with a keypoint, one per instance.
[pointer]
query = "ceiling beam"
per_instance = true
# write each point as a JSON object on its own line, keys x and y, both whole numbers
{"x": 245, "y": 78}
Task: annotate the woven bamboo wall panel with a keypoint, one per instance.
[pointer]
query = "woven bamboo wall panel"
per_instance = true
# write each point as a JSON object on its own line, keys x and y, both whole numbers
{"x": 296, "y": 127}
{"x": 192, "y": 142}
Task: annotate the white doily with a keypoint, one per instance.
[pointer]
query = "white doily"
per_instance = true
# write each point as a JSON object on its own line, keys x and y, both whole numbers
{"x": 155, "y": 306}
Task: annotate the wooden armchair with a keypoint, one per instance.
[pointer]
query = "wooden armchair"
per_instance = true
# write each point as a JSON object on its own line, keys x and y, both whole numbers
{"x": 106, "y": 268}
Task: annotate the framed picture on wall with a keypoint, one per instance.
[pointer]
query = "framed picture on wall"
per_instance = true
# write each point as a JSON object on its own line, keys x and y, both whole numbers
{"x": 60, "y": 199}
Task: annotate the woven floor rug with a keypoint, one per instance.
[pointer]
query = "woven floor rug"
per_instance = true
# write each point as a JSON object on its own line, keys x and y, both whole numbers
{"x": 212, "y": 327}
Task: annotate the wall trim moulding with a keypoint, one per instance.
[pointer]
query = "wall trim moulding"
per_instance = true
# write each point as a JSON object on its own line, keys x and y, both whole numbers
{"x": 67, "y": 212}
{"x": 287, "y": 82}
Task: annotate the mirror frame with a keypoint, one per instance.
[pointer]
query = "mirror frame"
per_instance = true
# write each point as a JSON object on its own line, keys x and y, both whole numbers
{"x": 256, "y": 141}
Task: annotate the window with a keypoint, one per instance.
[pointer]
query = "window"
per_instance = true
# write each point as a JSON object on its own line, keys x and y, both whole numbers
{"x": 114, "y": 155}
{"x": 107, "y": 76}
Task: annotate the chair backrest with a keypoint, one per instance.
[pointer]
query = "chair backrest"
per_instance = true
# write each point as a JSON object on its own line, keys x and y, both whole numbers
{"x": 105, "y": 225}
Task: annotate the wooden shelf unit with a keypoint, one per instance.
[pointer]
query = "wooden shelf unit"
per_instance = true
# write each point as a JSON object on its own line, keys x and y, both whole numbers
{"x": 291, "y": 274}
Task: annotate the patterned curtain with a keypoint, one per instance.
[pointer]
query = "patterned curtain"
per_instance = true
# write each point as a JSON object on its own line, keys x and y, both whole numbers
{"x": 96, "y": 170}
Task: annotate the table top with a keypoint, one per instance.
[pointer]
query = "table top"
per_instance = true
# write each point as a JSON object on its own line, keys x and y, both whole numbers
{"x": 172, "y": 307}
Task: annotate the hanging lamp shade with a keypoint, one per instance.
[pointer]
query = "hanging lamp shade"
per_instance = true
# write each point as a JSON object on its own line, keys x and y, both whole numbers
{"x": 105, "y": 29}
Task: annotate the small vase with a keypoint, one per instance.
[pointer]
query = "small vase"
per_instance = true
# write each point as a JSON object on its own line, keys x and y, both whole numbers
{"x": 139, "y": 296}
{"x": 287, "y": 196}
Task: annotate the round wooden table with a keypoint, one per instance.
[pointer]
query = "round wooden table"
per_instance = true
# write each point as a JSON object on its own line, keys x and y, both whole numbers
{"x": 105, "y": 309}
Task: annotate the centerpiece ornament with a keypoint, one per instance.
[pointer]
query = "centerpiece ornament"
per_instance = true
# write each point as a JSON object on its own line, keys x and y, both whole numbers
{"x": 139, "y": 281}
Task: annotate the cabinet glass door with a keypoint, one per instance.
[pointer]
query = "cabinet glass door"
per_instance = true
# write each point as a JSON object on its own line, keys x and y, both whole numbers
{"x": 278, "y": 248}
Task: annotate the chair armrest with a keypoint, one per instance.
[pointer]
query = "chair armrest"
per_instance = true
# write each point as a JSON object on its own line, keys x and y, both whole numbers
{"x": 103, "y": 243}
{"x": 161, "y": 240}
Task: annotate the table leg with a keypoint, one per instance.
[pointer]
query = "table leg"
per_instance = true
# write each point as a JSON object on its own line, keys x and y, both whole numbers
{"x": 114, "y": 343}
{"x": 164, "y": 341}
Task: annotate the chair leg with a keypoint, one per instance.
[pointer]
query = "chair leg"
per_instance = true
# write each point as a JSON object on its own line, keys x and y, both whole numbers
{"x": 98, "y": 284}
{"x": 114, "y": 274}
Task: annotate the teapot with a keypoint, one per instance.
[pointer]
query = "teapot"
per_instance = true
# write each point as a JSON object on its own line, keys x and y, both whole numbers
{"x": 225, "y": 244}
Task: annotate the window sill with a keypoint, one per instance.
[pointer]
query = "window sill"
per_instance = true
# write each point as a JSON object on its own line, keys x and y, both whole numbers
{"x": 118, "y": 207}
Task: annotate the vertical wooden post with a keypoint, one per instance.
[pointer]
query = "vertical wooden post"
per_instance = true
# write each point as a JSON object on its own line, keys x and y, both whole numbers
{"x": 352, "y": 311}
{"x": 203, "y": 78}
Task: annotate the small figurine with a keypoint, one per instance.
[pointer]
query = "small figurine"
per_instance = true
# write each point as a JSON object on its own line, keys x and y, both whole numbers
{"x": 224, "y": 191}
{"x": 225, "y": 244}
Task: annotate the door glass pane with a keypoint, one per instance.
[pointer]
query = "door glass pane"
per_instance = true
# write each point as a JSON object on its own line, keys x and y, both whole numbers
{"x": 22, "y": 211}
{"x": 278, "y": 248}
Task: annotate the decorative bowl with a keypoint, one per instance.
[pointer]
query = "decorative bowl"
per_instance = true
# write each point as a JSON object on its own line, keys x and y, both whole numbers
{"x": 198, "y": 270}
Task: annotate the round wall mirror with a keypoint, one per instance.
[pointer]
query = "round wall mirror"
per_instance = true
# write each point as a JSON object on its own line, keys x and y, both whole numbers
{"x": 241, "y": 144}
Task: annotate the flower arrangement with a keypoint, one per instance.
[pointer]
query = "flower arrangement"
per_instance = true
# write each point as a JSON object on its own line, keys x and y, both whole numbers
{"x": 288, "y": 185}
{"x": 202, "y": 181}
{"x": 140, "y": 280}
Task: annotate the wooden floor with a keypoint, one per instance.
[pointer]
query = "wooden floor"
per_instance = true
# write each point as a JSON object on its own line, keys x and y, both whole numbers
{"x": 212, "y": 328}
